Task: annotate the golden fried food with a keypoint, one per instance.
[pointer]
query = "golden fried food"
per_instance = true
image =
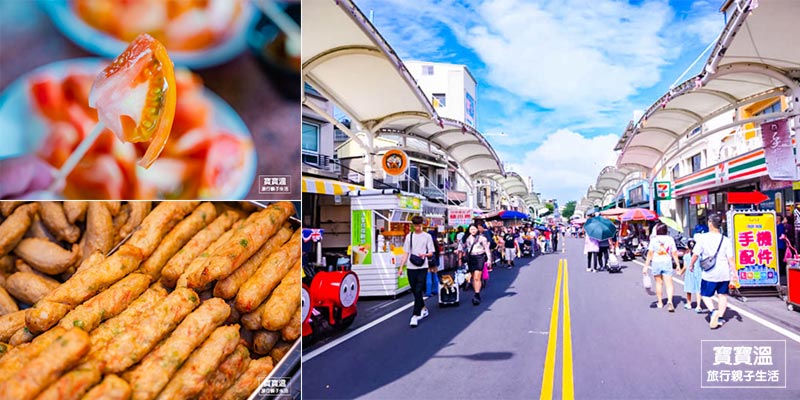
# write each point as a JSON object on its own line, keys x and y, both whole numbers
{"x": 138, "y": 211}
{"x": 14, "y": 227}
{"x": 279, "y": 351}
{"x": 106, "y": 304}
{"x": 46, "y": 256}
{"x": 54, "y": 218}
{"x": 7, "y": 264}
{"x": 38, "y": 230}
{"x": 228, "y": 287}
{"x": 235, "y": 316}
{"x": 256, "y": 372}
{"x": 197, "y": 264}
{"x": 114, "y": 206}
{"x": 7, "y": 304}
{"x": 75, "y": 210}
{"x": 269, "y": 275}
{"x": 189, "y": 381}
{"x": 198, "y": 250}
{"x": 243, "y": 244}
{"x": 73, "y": 384}
{"x": 132, "y": 344}
{"x": 100, "y": 234}
{"x": 177, "y": 237}
{"x": 264, "y": 341}
{"x": 252, "y": 320}
{"x": 4, "y": 349}
{"x": 95, "y": 258}
{"x": 283, "y": 302}
{"x": 158, "y": 222}
{"x": 154, "y": 372}
{"x": 112, "y": 388}
{"x": 47, "y": 367}
{"x": 20, "y": 337}
{"x": 19, "y": 356}
{"x": 82, "y": 286}
{"x": 7, "y": 207}
{"x": 229, "y": 370}
{"x": 104, "y": 333}
{"x": 10, "y": 324}
{"x": 292, "y": 330}
{"x": 30, "y": 288}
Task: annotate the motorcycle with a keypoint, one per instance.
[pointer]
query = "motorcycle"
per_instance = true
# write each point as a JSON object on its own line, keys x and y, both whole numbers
{"x": 625, "y": 250}
{"x": 681, "y": 244}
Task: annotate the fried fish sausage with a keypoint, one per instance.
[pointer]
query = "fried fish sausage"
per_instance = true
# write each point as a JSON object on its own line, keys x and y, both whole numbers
{"x": 291, "y": 331}
{"x": 154, "y": 372}
{"x": 177, "y": 237}
{"x": 19, "y": 356}
{"x": 279, "y": 351}
{"x": 14, "y": 227}
{"x": 46, "y": 256}
{"x": 112, "y": 327}
{"x": 74, "y": 383}
{"x": 228, "y": 287}
{"x": 30, "y": 288}
{"x": 256, "y": 372}
{"x": 7, "y": 264}
{"x": 7, "y": 304}
{"x": 7, "y": 207}
{"x": 197, "y": 264}
{"x": 82, "y": 286}
{"x": 176, "y": 265}
{"x": 229, "y": 370}
{"x": 184, "y": 266}
{"x": 5, "y": 348}
{"x": 243, "y": 244}
{"x": 95, "y": 258}
{"x": 252, "y": 320}
{"x": 269, "y": 275}
{"x": 283, "y": 301}
{"x": 264, "y": 341}
{"x": 158, "y": 222}
{"x": 107, "y": 303}
{"x": 10, "y": 324}
{"x": 54, "y": 218}
{"x": 100, "y": 234}
{"x": 47, "y": 367}
{"x": 22, "y": 336}
{"x": 138, "y": 211}
{"x": 112, "y": 388}
{"x": 75, "y": 210}
{"x": 113, "y": 206}
{"x": 131, "y": 345}
{"x": 38, "y": 230}
{"x": 189, "y": 381}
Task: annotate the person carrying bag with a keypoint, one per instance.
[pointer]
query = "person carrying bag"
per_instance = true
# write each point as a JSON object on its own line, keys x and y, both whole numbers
{"x": 478, "y": 259}
{"x": 418, "y": 248}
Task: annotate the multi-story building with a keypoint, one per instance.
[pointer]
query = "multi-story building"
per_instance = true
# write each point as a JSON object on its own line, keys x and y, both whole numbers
{"x": 451, "y": 89}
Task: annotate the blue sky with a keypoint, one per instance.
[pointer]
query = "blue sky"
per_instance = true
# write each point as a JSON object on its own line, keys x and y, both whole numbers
{"x": 560, "y": 78}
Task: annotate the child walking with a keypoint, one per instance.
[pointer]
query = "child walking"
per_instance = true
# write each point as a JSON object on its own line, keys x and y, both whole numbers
{"x": 692, "y": 277}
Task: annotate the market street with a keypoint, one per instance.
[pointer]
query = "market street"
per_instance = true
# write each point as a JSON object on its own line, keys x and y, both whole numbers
{"x": 622, "y": 347}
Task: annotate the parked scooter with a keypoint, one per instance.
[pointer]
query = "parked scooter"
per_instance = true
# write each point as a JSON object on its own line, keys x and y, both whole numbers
{"x": 626, "y": 249}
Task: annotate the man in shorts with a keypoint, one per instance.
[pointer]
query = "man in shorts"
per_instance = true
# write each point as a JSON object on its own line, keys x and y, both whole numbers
{"x": 510, "y": 246}
{"x": 717, "y": 279}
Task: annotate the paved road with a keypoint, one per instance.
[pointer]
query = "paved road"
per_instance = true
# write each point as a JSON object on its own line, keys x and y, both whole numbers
{"x": 622, "y": 347}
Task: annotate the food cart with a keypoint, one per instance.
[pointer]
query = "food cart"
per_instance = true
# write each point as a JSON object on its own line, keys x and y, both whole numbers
{"x": 380, "y": 220}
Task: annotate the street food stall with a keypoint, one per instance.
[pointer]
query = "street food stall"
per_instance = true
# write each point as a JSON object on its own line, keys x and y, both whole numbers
{"x": 380, "y": 220}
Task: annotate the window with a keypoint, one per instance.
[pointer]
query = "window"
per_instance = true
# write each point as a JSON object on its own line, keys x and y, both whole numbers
{"x": 310, "y": 144}
{"x": 696, "y": 162}
{"x": 695, "y": 131}
{"x": 676, "y": 171}
{"x": 427, "y": 70}
{"x": 773, "y": 108}
{"x": 439, "y": 100}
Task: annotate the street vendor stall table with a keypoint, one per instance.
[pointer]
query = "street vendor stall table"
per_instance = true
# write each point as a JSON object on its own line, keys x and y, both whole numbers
{"x": 379, "y": 224}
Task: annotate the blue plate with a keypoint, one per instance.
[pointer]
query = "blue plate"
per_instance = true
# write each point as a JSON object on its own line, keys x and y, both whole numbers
{"x": 103, "y": 44}
{"x": 22, "y": 129}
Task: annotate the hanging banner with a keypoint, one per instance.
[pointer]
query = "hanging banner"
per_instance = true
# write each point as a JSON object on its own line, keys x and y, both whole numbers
{"x": 469, "y": 109}
{"x": 361, "y": 243}
{"x": 699, "y": 198}
{"x": 394, "y": 162}
{"x": 778, "y": 151}
{"x": 755, "y": 249}
{"x": 459, "y": 216}
{"x": 663, "y": 190}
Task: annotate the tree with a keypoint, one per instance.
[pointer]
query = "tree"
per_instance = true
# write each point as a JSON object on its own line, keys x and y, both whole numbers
{"x": 550, "y": 209}
{"x": 569, "y": 209}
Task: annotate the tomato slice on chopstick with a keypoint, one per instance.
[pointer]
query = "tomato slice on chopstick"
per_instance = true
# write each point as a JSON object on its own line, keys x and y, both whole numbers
{"x": 135, "y": 96}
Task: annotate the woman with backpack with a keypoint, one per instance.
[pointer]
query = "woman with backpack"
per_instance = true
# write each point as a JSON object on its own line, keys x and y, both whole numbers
{"x": 478, "y": 253}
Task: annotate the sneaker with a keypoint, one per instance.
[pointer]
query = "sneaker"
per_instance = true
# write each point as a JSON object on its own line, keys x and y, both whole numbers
{"x": 660, "y": 305}
{"x": 588, "y": 270}
{"x": 477, "y": 299}
{"x": 714, "y": 323}
{"x": 670, "y": 307}
{"x": 698, "y": 310}
{"x": 424, "y": 313}
{"x": 687, "y": 306}
{"x": 414, "y": 321}
{"x": 721, "y": 322}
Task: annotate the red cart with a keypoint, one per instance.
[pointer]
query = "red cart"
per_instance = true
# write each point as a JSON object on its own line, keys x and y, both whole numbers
{"x": 792, "y": 277}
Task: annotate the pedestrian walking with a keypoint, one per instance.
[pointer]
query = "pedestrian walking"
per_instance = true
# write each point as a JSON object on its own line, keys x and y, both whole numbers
{"x": 555, "y": 233}
{"x": 590, "y": 247}
{"x": 479, "y": 254}
{"x": 780, "y": 232}
{"x": 602, "y": 255}
{"x": 434, "y": 263}
{"x": 418, "y": 247}
{"x": 714, "y": 246}
{"x": 692, "y": 276}
{"x": 661, "y": 252}
{"x": 511, "y": 247}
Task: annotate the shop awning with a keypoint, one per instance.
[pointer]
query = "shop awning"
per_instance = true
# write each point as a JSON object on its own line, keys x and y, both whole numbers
{"x": 327, "y": 186}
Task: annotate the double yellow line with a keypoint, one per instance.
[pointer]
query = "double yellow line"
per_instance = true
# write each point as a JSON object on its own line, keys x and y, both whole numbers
{"x": 567, "y": 387}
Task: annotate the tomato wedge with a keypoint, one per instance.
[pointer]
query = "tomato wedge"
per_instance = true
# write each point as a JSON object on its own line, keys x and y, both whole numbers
{"x": 135, "y": 96}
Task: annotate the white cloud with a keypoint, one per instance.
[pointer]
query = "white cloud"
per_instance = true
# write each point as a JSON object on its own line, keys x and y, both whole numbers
{"x": 704, "y": 21}
{"x": 566, "y": 163}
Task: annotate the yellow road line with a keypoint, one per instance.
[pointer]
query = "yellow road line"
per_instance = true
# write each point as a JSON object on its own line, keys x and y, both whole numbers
{"x": 552, "y": 339}
{"x": 567, "y": 387}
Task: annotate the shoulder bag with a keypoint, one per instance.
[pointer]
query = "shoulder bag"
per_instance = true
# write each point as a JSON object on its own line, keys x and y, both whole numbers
{"x": 709, "y": 263}
{"x": 415, "y": 259}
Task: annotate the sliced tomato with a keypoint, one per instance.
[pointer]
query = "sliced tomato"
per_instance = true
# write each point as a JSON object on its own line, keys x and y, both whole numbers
{"x": 98, "y": 178}
{"x": 193, "y": 144}
{"x": 135, "y": 96}
{"x": 76, "y": 88}
{"x": 48, "y": 98}
{"x": 59, "y": 143}
{"x": 193, "y": 109}
{"x": 224, "y": 165}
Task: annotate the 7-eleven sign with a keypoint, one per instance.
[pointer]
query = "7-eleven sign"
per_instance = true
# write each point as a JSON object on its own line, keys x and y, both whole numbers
{"x": 663, "y": 190}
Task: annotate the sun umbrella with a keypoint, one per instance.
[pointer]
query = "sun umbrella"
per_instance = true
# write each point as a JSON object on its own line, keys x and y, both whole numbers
{"x": 671, "y": 223}
{"x": 614, "y": 212}
{"x": 511, "y": 214}
{"x": 639, "y": 214}
{"x": 600, "y": 228}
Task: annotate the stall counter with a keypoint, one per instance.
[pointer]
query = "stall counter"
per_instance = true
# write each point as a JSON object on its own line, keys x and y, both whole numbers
{"x": 380, "y": 277}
